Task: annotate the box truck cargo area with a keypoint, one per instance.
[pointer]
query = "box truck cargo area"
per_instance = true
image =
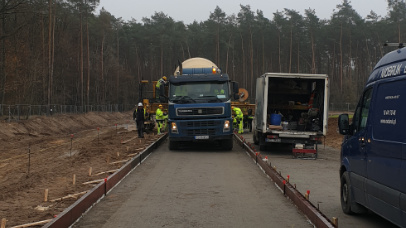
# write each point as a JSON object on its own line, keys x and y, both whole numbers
{"x": 291, "y": 109}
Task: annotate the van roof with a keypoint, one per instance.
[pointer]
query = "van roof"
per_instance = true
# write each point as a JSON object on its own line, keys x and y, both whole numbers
{"x": 391, "y": 65}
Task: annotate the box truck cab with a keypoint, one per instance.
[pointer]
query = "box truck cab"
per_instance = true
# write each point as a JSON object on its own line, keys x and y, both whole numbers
{"x": 373, "y": 152}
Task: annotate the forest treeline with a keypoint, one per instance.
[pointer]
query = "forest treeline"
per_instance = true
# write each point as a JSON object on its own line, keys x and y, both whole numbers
{"x": 63, "y": 52}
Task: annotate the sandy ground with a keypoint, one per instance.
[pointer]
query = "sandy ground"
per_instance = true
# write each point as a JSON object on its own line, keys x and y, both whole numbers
{"x": 40, "y": 153}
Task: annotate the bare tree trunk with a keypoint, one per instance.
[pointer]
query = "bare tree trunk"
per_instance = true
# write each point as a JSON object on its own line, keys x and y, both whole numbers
{"x": 102, "y": 71}
{"x": 341, "y": 58}
{"x": 313, "y": 55}
{"x": 279, "y": 52}
{"x": 3, "y": 54}
{"x": 290, "y": 50}
{"x": 244, "y": 79}
{"x": 88, "y": 64}
{"x": 49, "y": 54}
{"x": 118, "y": 67}
{"x": 251, "y": 61}
{"x": 298, "y": 57}
{"x": 53, "y": 55}
{"x": 81, "y": 60}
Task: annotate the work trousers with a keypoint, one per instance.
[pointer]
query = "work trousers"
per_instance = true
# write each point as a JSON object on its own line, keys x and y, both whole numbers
{"x": 140, "y": 129}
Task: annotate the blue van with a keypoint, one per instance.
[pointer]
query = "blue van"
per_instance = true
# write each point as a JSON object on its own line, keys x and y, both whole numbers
{"x": 373, "y": 152}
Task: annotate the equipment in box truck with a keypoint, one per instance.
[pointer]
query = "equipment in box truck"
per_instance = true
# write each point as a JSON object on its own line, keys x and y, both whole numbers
{"x": 291, "y": 109}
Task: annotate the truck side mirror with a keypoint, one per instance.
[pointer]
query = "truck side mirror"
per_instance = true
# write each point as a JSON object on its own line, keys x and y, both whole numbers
{"x": 343, "y": 124}
{"x": 235, "y": 91}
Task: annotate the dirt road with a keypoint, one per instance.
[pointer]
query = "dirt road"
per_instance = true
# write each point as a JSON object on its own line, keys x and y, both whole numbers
{"x": 195, "y": 188}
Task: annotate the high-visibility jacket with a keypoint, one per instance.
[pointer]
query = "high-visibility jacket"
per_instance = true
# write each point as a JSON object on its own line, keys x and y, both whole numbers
{"x": 238, "y": 113}
{"x": 159, "y": 115}
{"x": 140, "y": 117}
{"x": 160, "y": 82}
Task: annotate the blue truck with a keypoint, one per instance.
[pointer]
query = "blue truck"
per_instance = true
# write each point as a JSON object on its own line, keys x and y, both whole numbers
{"x": 199, "y": 104}
{"x": 373, "y": 152}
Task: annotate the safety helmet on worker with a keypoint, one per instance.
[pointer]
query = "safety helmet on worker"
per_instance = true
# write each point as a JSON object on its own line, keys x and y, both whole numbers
{"x": 164, "y": 78}
{"x": 160, "y": 106}
{"x": 232, "y": 107}
{"x": 140, "y": 104}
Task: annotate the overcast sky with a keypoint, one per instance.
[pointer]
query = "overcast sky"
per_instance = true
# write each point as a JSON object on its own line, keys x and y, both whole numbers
{"x": 190, "y": 10}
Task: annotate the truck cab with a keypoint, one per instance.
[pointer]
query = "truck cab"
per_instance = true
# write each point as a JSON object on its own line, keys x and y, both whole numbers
{"x": 199, "y": 106}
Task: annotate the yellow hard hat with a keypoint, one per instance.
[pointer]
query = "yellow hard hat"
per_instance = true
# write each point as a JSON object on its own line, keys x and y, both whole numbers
{"x": 164, "y": 77}
{"x": 232, "y": 107}
{"x": 159, "y": 106}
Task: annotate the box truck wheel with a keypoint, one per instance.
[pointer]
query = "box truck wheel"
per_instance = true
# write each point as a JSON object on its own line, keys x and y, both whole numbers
{"x": 255, "y": 138}
{"x": 348, "y": 204}
{"x": 262, "y": 143}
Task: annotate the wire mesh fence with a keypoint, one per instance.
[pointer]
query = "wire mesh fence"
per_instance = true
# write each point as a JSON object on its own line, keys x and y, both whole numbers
{"x": 25, "y": 111}
{"x": 342, "y": 107}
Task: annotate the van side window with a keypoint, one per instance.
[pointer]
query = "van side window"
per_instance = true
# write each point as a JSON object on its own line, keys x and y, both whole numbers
{"x": 366, "y": 101}
{"x": 361, "y": 113}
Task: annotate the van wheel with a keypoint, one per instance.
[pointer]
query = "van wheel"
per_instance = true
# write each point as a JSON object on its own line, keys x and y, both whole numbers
{"x": 348, "y": 204}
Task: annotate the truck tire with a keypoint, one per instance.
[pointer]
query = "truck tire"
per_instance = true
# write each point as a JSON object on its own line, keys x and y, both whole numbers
{"x": 173, "y": 145}
{"x": 348, "y": 205}
{"x": 261, "y": 139}
{"x": 227, "y": 144}
{"x": 255, "y": 138}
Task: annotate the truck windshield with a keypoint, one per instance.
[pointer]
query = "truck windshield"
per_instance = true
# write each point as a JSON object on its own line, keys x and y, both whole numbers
{"x": 199, "y": 92}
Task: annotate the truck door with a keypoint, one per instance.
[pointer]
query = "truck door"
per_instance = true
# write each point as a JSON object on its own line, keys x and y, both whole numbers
{"x": 354, "y": 149}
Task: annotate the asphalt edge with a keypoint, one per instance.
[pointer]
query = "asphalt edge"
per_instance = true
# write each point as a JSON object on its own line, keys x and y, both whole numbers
{"x": 318, "y": 219}
{"x": 71, "y": 214}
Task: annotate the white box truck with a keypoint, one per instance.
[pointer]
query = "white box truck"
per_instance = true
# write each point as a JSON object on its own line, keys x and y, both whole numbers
{"x": 291, "y": 109}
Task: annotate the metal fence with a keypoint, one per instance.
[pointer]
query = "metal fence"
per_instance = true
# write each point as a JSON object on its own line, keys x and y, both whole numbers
{"x": 343, "y": 107}
{"x": 24, "y": 111}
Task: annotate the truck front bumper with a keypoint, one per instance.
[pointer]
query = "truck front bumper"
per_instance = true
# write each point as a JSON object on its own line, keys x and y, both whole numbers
{"x": 199, "y": 138}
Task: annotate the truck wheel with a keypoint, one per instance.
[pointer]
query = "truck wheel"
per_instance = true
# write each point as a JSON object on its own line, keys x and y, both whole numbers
{"x": 261, "y": 139}
{"x": 227, "y": 144}
{"x": 173, "y": 145}
{"x": 255, "y": 138}
{"x": 348, "y": 204}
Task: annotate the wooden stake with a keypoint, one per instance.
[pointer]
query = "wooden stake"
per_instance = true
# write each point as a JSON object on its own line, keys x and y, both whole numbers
{"x": 110, "y": 171}
{"x": 94, "y": 181}
{"x": 3, "y": 223}
{"x": 69, "y": 196}
{"x": 90, "y": 171}
{"x": 335, "y": 221}
{"x": 46, "y": 195}
{"x": 74, "y": 179}
{"x": 130, "y": 155}
{"x": 307, "y": 196}
{"x": 108, "y": 159}
{"x": 33, "y": 224}
{"x": 117, "y": 162}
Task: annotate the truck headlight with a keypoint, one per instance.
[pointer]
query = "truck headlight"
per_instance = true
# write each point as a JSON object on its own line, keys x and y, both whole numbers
{"x": 226, "y": 126}
{"x": 174, "y": 128}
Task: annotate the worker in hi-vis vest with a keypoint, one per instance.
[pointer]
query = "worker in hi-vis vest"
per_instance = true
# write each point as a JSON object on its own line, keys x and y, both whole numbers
{"x": 239, "y": 116}
{"x": 160, "y": 118}
{"x": 161, "y": 81}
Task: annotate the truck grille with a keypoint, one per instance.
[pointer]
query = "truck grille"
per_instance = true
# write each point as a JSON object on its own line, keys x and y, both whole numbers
{"x": 199, "y": 111}
{"x": 193, "y": 128}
